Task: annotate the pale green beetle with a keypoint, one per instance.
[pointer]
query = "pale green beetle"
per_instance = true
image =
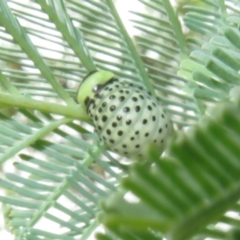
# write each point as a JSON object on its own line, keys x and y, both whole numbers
{"x": 128, "y": 118}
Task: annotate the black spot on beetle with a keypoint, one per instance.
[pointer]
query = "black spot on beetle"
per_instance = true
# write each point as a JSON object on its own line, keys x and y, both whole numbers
{"x": 104, "y": 118}
{"x": 121, "y": 98}
{"x": 111, "y": 141}
{"x": 98, "y": 95}
{"x": 112, "y": 97}
{"x": 153, "y": 118}
{"x": 112, "y": 108}
{"x": 120, "y": 133}
{"x": 126, "y": 109}
{"x": 144, "y": 121}
{"x": 160, "y": 130}
{"x": 128, "y": 122}
{"x": 137, "y": 108}
{"x": 104, "y": 104}
{"x": 119, "y": 117}
{"x": 108, "y": 131}
{"x": 87, "y": 101}
{"x": 114, "y": 124}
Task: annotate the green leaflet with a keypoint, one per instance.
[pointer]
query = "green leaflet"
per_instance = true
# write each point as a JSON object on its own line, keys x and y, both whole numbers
{"x": 182, "y": 196}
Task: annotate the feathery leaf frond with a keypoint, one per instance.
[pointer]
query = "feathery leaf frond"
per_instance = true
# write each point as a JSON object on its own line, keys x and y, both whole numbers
{"x": 60, "y": 171}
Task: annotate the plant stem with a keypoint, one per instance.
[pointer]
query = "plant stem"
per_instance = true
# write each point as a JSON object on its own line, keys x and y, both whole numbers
{"x": 135, "y": 55}
{"x": 176, "y": 26}
{"x": 76, "y": 112}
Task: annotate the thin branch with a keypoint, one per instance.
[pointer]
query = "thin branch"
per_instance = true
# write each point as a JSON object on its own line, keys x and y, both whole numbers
{"x": 137, "y": 60}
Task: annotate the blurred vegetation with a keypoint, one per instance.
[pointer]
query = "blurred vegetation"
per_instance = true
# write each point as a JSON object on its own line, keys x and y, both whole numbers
{"x": 55, "y": 170}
